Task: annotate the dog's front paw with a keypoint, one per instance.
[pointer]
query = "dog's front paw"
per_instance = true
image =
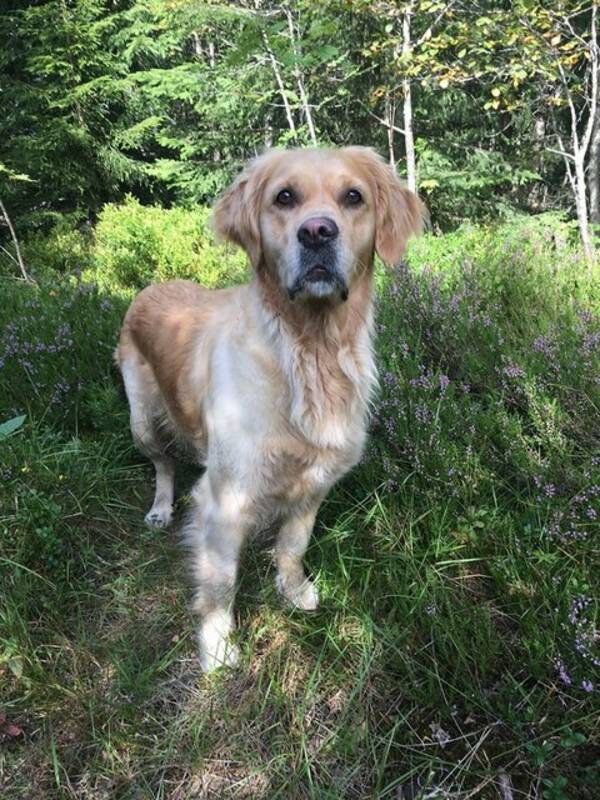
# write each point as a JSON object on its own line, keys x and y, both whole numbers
{"x": 228, "y": 656}
{"x": 159, "y": 516}
{"x": 216, "y": 650}
{"x": 304, "y": 595}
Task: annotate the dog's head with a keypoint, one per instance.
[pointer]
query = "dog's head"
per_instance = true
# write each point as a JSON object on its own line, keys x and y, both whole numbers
{"x": 314, "y": 218}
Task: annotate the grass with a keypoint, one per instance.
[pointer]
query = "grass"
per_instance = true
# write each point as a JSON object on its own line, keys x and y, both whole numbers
{"x": 456, "y": 645}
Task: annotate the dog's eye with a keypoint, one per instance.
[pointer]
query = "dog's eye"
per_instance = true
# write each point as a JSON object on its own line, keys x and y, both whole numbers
{"x": 285, "y": 197}
{"x": 353, "y": 197}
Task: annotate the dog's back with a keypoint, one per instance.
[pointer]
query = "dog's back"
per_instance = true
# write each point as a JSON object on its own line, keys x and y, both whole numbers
{"x": 165, "y": 325}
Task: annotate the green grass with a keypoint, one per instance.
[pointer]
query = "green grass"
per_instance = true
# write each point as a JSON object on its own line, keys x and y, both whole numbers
{"x": 450, "y": 562}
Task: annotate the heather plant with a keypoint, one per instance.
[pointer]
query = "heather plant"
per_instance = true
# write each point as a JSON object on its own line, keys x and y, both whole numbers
{"x": 490, "y": 389}
{"x": 56, "y": 345}
{"x": 456, "y": 651}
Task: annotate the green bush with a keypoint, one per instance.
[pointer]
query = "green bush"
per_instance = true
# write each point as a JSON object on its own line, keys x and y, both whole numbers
{"x": 65, "y": 249}
{"x": 137, "y": 245}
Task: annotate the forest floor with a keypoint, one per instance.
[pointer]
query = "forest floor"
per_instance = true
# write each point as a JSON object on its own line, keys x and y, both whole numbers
{"x": 456, "y": 650}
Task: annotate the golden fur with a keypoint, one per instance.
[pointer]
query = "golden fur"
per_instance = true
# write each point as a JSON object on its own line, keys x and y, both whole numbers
{"x": 269, "y": 383}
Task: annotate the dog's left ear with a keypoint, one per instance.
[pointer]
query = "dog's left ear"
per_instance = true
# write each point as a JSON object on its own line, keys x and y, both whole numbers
{"x": 235, "y": 217}
{"x": 399, "y": 212}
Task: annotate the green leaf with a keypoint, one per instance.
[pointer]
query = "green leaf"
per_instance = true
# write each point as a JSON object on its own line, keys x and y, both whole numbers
{"x": 15, "y": 665}
{"x": 10, "y": 426}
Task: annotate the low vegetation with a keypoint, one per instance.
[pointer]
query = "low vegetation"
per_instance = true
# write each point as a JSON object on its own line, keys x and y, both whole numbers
{"x": 456, "y": 651}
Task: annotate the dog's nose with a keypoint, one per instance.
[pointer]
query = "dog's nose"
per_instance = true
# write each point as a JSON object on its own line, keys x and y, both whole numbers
{"x": 317, "y": 231}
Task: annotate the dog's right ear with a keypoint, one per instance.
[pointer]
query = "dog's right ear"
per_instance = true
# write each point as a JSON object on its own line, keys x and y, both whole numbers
{"x": 235, "y": 216}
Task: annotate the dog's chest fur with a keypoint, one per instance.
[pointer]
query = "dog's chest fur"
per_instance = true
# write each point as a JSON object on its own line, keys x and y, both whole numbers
{"x": 315, "y": 429}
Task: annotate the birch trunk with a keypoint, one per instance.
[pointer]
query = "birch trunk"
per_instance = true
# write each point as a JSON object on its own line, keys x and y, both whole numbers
{"x": 409, "y": 141}
{"x": 280, "y": 86}
{"x": 300, "y": 79}
{"x": 19, "y": 258}
{"x": 594, "y": 173}
{"x": 390, "y": 120}
{"x": 582, "y": 208}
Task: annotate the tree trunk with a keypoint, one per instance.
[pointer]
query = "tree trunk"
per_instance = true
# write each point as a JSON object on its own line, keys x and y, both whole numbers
{"x": 278, "y": 78}
{"x": 582, "y": 208}
{"x": 594, "y": 173}
{"x": 409, "y": 141}
{"x": 19, "y": 258}
{"x": 537, "y": 194}
{"x": 280, "y": 86}
{"x": 268, "y": 130}
{"x": 300, "y": 79}
{"x": 197, "y": 44}
{"x": 390, "y": 119}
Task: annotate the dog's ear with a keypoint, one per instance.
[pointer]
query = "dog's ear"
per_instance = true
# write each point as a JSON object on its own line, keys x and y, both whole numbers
{"x": 399, "y": 216}
{"x": 235, "y": 217}
{"x": 399, "y": 212}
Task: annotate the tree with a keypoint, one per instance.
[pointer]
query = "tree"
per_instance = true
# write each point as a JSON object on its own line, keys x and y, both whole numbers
{"x": 552, "y": 47}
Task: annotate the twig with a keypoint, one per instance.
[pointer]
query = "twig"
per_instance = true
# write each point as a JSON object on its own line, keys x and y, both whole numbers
{"x": 505, "y": 786}
{"x": 16, "y": 243}
{"x": 381, "y": 121}
{"x": 561, "y": 153}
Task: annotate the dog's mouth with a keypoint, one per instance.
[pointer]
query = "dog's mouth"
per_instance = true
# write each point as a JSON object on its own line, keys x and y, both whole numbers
{"x": 319, "y": 282}
{"x": 319, "y": 273}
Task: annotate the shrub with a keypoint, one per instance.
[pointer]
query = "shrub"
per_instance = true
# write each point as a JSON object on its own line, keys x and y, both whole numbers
{"x": 66, "y": 248}
{"x": 137, "y": 245}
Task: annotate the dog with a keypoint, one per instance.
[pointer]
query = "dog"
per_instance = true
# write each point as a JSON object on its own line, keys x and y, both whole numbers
{"x": 269, "y": 384}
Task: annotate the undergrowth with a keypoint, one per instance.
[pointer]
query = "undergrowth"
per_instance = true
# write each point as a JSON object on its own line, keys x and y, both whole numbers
{"x": 456, "y": 650}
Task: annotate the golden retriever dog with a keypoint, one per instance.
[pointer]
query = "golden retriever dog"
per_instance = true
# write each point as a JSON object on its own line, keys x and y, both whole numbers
{"x": 269, "y": 384}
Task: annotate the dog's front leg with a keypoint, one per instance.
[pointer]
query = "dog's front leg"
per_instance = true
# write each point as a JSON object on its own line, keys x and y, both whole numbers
{"x": 290, "y": 548}
{"x": 216, "y": 533}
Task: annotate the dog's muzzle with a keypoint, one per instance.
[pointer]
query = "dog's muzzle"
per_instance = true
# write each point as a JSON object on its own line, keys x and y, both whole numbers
{"x": 319, "y": 276}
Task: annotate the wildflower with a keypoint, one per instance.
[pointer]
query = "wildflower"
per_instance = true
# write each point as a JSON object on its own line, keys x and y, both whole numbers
{"x": 587, "y": 686}
{"x": 563, "y": 674}
{"x": 423, "y": 414}
{"x": 543, "y": 345}
{"x": 441, "y": 736}
{"x": 514, "y": 371}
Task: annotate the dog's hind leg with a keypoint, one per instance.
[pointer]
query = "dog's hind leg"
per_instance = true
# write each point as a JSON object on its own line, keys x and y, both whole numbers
{"x": 144, "y": 404}
{"x": 161, "y": 513}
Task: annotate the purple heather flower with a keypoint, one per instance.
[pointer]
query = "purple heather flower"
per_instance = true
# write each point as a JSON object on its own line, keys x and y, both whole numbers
{"x": 514, "y": 371}
{"x": 563, "y": 674}
{"x": 423, "y": 414}
{"x": 587, "y": 686}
